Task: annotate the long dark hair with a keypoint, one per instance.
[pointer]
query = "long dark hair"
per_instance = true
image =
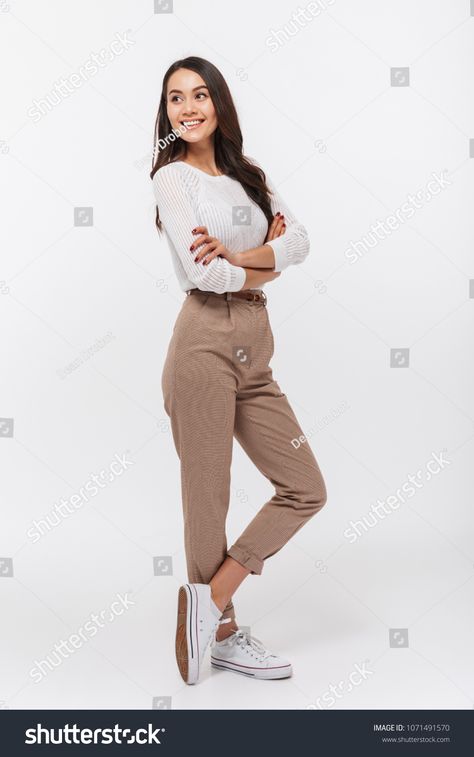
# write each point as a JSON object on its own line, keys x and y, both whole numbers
{"x": 227, "y": 136}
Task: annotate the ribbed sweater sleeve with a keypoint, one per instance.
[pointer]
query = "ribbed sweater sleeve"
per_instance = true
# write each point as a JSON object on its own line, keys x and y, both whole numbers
{"x": 293, "y": 246}
{"x": 176, "y": 192}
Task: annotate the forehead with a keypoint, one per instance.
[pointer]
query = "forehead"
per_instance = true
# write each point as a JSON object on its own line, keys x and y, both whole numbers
{"x": 185, "y": 80}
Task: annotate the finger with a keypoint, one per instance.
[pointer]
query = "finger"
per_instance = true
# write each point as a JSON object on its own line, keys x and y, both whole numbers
{"x": 274, "y": 230}
{"x": 205, "y": 250}
{"x": 219, "y": 250}
{"x": 210, "y": 257}
{"x": 273, "y": 224}
{"x": 279, "y": 227}
{"x": 275, "y": 234}
{"x": 200, "y": 240}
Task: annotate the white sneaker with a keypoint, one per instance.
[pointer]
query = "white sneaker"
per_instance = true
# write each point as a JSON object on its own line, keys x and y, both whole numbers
{"x": 198, "y": 618}
{"x": 245, "y": 654}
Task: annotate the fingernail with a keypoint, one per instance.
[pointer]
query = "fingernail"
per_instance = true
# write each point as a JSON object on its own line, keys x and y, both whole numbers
{"x": 195, "y": 260}
{"x": 284, "y": 225}
{"x": 191, "y": 247}
{"x": 193, "y": 231}
{"x": 278, "y": 213}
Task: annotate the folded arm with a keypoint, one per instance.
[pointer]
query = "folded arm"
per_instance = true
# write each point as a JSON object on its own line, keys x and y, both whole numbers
{"x": 173, "y": 193}
{"x": 290, "y": 248}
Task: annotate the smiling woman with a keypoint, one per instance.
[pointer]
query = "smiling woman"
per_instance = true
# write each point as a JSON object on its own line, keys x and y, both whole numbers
{"x": 229, "y": 232}
{"x": 203, "y": 118}
{"x": 201, "y": 105}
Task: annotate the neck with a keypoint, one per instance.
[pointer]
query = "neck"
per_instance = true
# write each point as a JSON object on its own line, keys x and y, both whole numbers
{"x": 201, "y": 155}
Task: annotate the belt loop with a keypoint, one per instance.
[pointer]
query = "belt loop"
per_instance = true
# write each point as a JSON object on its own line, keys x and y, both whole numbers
{"x": 228, "y": 295}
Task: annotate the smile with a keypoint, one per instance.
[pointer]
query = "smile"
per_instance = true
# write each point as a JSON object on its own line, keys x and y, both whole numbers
{"x": 188, "y": 125}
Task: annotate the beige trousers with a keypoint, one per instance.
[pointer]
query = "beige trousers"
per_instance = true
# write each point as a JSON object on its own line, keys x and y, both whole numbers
{"x": 217, "y": 384}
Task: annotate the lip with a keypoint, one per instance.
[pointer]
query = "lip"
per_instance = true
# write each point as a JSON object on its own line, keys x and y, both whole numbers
{"x": 194, "y": 126}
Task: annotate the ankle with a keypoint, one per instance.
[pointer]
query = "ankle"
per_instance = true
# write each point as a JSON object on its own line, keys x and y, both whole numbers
{"x": 226, "y": 629}
{"x": 219, "y": 600}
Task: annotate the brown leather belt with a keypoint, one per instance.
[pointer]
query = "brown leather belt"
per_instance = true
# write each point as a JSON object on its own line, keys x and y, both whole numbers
{"x": 243, "y": 294}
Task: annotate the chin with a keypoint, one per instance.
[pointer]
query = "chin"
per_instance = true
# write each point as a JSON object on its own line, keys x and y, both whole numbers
{"x": 189, "y": 137}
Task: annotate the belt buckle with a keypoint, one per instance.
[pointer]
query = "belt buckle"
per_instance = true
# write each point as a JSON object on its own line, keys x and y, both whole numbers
{"x": 264, "y": 297}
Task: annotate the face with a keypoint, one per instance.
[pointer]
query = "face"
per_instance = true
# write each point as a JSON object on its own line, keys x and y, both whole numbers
{"x": 189, "y": 106}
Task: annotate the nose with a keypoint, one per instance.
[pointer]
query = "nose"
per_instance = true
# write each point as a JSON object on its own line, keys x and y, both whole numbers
{"x": 188, "y": 108}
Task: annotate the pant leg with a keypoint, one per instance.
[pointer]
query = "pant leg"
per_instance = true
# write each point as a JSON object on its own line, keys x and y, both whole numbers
{"x": 201, "y": 409}
{"x": 265, "y": 427}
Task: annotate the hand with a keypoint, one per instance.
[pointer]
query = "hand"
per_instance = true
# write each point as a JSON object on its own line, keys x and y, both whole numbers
{"x": 277, "y": 227}
{"x": 212, "y": 247}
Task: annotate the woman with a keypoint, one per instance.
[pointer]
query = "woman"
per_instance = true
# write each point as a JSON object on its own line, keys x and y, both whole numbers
{"x": 229, "y": 233}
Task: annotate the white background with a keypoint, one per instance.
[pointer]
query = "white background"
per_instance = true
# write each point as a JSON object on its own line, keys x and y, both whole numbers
{"x": 345, "y": 149}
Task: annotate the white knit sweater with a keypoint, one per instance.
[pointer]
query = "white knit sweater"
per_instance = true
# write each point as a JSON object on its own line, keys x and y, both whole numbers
{"x": 188, "y": 197}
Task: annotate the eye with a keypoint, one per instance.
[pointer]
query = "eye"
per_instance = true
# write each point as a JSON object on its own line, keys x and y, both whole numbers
{"x": 201, "y": 94}
{"x": 174, "y": 98}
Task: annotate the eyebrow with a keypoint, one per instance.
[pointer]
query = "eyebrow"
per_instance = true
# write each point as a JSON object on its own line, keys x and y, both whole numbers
{"x": 179, "y": 92}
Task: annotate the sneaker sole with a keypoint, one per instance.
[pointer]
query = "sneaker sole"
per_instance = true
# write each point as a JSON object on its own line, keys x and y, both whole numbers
{"x": 268, "y": 674}
{"x": 186, "y": 644}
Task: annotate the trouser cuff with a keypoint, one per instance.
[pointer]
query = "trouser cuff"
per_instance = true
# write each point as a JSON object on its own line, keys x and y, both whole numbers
{"x": 247, "y": 559}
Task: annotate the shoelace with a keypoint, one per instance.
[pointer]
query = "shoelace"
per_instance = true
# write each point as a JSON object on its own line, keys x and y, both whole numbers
{"x": 243, "y": 638}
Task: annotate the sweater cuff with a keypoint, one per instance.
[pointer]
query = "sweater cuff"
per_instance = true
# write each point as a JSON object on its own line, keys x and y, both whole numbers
{"x": 237, "y": 279}
{"x": 278, "y": 246}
